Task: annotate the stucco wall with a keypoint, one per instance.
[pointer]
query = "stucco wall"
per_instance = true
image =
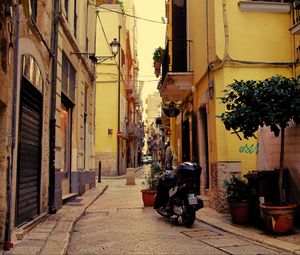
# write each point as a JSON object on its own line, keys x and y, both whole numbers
{"x": 108, "y": 163}
{"x": 270, "y": 149}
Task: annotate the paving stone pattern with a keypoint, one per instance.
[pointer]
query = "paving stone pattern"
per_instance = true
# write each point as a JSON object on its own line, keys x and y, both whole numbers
{"x": 117, "y": 223}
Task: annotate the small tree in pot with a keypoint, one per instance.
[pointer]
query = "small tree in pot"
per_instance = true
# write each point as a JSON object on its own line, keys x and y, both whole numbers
{"x": 272, "y": 102}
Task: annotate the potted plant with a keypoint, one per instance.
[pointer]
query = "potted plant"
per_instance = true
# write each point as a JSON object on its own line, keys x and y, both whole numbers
{"x": 272, "y": 102}
{"x": 158, "y": 56}
{"x": 237, "y": 194}
{"x": 151, "y": 182}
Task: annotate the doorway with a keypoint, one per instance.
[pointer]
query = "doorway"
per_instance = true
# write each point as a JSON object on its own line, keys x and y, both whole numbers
{"x": 186, "y": 140}
{"x": 204, "y": 146}
{"x": 66, "y": 128}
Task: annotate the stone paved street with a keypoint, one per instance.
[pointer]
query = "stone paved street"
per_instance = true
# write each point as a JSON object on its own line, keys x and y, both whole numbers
{"x": 117, "y": 223}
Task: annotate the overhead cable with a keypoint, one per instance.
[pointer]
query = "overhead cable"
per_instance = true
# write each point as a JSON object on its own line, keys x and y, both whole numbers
{"x": 129, "y": 15}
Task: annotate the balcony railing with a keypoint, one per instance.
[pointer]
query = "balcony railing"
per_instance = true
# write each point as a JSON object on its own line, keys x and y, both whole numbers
{"x": 295, "y": 29}
{"x": 296, "y": 13}
{"x": 178, "y": 60}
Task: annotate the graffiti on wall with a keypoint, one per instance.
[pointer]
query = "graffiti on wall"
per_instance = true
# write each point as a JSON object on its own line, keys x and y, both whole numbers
{"x": 249, "y": 149}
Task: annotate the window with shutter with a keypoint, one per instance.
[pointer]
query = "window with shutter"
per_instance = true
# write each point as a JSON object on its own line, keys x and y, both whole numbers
{"x": 33, "y": 5}
{"x": 68, "y": 78}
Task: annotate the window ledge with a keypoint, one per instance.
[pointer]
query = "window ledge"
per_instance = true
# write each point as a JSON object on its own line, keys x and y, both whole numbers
{"x": 261, "y": 6}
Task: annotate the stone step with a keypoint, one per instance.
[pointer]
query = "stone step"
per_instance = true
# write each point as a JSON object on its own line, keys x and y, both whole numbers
{"x": 205, "y": 200}
{"x": 69, "y": 197}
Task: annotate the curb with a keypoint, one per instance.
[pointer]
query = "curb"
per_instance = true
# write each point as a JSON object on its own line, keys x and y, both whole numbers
{"x": 65, "y": 243}
{"x": 64, "y": 252}
{"x": 273, "y": 242}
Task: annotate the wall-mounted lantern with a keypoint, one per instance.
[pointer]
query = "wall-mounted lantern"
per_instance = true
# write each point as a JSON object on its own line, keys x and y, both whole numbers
{"x": 115, "y": 46}
{"x": 171, "y": 110}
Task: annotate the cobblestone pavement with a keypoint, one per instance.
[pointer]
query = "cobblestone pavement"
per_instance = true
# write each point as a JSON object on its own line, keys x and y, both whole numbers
{"x": 117, "y": 223}
{"x": 111, "y": 219}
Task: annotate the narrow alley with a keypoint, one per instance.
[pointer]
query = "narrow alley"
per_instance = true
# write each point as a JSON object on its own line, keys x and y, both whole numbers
{"x": 93, "y": 92}
{"x": 117, "y": 223}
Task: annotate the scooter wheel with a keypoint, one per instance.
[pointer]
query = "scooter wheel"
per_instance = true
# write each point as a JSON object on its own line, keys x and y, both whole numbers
{"x": 188, "y": 218}
{"x": 162, "y": 211}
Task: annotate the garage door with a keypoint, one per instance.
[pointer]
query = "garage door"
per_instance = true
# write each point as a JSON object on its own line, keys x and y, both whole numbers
{"x": 29, "y": 157}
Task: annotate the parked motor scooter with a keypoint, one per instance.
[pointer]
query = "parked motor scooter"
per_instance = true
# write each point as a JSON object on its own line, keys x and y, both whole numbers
{"x": 177, "y": 193}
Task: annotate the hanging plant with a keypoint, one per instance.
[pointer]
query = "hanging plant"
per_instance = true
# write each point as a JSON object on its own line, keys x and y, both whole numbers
{"x": 158, "y": 55}
{"x": 157, "y": 72}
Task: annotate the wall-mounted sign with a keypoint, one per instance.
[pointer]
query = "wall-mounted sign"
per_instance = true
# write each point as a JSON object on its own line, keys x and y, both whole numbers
{"x": 169, "y": 132}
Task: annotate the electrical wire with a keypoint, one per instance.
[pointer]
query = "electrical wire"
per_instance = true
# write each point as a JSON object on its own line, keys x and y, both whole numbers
{"x": 117, "y": 80}
{"x": 106, "y": 39}
{"x": 228, "y": 59}
{"x": 138, "y": 80}
{"x": 129, "y": 15}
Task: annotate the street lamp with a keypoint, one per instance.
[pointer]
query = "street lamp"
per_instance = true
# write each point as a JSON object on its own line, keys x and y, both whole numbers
{"x": 115, "y": 45}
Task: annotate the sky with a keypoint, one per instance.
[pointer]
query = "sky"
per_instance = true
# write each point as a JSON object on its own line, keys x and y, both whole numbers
{"x": 150, "y": 36}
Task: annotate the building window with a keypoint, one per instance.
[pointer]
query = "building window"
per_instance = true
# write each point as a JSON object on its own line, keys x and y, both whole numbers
{"x": 86, "y": 27}
{"x": 75, "y": 18}
{"x": 67, "y": 8}
{"x": 85, "y": 99}
{"x": 87, "y": 44}
{"x": 66, "y": 144}
{"x": 68, "y": 78}
{"x": 33, "y": 5}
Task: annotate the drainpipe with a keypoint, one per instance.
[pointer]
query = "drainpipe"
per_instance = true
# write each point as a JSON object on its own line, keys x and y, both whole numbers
{"x": 119, "y": 83}
{"x": 10, "y": 159}
{"x": 54, "y": 39}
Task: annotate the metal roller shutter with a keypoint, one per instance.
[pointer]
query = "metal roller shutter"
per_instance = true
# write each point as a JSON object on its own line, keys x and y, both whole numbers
{"x": 29, "y": 159}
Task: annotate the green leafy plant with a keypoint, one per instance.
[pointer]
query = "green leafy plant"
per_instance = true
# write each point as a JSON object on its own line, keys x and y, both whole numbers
{"x": 151, "y": 179}
{"x": 158, "y": 55}
{"x": 122, "y": 5}
{"x": 156, "y": 169}
{"x": 272, "y": 102}
{"x": 237, "y": 189}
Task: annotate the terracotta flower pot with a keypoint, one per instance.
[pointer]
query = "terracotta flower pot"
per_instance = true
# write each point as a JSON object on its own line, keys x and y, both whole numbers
{"x": 278, "y": 219}
{"x": 157, "y": 72}
{"x": 148, "y": 196}
{"x": 239, "y": 212}
{"x": 157, "y": 64}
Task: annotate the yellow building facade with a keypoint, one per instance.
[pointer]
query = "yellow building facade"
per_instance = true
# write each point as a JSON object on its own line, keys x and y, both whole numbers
{"x": 225, "y": 40}
{"x": 117, "y": 96}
